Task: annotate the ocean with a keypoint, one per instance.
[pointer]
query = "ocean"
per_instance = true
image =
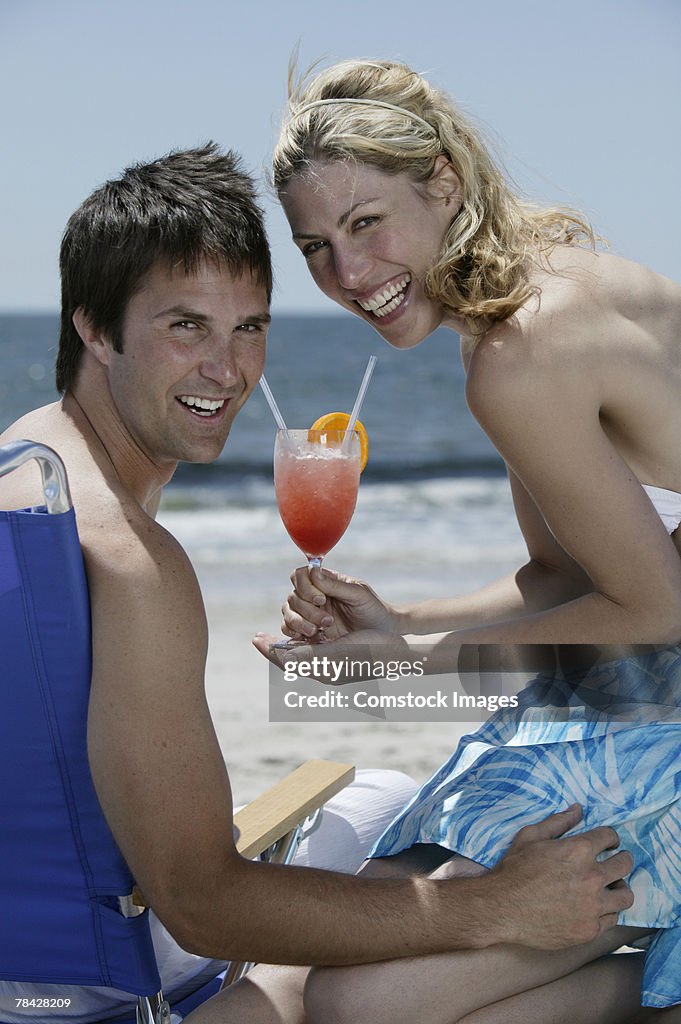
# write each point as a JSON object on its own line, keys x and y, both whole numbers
{"x": 434, "y": 487}
{"x": 434, "y": 516}
{"x": 415, "y": 411}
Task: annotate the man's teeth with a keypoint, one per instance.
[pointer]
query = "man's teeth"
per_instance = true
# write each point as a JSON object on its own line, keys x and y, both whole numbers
{"x": 202, "y": 406}
{"x": 387, "y": 300}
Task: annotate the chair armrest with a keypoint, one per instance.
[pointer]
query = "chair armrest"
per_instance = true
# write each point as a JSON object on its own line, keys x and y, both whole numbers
{"x": 279, "y": 809}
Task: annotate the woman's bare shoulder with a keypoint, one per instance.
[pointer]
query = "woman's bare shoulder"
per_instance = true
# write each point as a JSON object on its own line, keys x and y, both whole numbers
{"x": 553, "y": 343}
{"x": 573, "y": 284}
{"x": 582, "y": 303}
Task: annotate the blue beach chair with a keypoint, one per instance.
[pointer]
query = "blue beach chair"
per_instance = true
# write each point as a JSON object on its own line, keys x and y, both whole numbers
{"x": 71, "y": 914}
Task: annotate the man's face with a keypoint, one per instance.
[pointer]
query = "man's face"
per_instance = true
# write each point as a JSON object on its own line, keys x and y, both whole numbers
{"x": 193, "y": 350}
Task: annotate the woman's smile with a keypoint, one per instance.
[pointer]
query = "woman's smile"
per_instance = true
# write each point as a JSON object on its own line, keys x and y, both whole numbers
{"x": 386, "y": 298}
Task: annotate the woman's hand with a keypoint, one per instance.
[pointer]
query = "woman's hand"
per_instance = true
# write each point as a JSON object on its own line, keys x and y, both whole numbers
{"x": 337, "y": 604}
{"x": 353, "y": 658}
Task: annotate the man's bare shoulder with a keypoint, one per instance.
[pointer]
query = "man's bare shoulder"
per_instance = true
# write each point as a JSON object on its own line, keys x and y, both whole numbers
{"x": 131, "y": 561}
{"x": 21, "y": 488}
{"x": 144, "y": 595}
{"x": 135, "y": 567}
{"x": 123, "y": 541}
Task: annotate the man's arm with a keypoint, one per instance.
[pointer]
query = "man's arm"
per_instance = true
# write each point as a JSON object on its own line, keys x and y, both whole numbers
{"x": 162, "y": 783}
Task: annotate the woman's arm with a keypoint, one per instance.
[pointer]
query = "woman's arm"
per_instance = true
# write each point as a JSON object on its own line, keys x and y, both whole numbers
{"x": 543, "y": 415}
{"x": 602, "y": 568}
{"x": 548, "y": 579}
{"x": 532, "y": 588}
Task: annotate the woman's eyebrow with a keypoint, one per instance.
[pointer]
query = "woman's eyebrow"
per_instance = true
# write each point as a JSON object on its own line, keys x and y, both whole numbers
{"x": 342, "y": 219}
{"x": 360, "y": 202}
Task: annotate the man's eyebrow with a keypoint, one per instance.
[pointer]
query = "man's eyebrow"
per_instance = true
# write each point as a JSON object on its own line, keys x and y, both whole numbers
{"x": 184, "y": 311}
{"x": 190, "y": 314}
{"x": 343, "y": 217}
{"x": 257, "y": 318}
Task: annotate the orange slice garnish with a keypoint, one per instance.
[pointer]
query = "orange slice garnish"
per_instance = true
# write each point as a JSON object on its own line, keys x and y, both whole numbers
{"x": 339, "y": 421}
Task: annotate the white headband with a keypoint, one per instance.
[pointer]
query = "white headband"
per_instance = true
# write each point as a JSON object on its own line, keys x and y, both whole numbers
{"x": 366, "y": 103}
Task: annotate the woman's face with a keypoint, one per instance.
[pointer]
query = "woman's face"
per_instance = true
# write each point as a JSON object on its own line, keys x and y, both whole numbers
{"x": 369, "y": 238}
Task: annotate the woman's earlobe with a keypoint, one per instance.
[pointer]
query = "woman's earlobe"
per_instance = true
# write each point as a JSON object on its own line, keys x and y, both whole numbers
{"x": 444, "y": 183}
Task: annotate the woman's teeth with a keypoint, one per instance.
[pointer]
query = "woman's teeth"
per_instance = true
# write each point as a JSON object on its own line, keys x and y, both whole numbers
{"x": 201, "y": 406}
{"x": 386, "y": 301}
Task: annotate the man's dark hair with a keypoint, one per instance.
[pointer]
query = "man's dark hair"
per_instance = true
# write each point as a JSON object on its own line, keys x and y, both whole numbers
{"x": 185, "y": 207}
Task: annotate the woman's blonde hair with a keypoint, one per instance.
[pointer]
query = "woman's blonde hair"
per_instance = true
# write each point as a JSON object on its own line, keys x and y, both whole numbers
{"x": 402, "y": 124}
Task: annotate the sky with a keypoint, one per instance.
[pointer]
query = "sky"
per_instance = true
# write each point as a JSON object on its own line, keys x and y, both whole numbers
{"x": 581, "y": 100}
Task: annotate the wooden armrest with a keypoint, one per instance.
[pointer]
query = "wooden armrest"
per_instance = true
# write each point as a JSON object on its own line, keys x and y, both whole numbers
{"x": 271, "y": 815}
{"x": 283, "y": 806}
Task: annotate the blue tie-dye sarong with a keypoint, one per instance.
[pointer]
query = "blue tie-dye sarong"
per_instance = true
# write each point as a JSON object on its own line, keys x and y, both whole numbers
{"x": 609, "y": 740}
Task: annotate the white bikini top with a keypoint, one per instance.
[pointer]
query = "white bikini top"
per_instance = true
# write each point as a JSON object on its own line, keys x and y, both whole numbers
{"x": 667, "y": 505}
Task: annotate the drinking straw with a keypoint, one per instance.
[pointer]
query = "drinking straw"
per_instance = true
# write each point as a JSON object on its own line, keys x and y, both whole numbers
{"x": 360, "y": 398}
{"x": 272, "y": 403}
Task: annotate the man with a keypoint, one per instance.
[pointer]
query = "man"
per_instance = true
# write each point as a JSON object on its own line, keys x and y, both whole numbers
{"x": 166, "y": 283}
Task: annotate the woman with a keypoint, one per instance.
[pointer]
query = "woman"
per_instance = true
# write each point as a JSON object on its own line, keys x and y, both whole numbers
{"x": 574, "y": 371}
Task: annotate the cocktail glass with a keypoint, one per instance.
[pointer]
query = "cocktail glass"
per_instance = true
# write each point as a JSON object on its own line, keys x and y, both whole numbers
{"x": 316, "y": 478}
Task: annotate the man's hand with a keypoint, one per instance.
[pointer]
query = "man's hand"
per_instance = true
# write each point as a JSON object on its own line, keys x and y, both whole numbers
{"x": 323, "y": 599}
{"x": 553, "y": 892}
